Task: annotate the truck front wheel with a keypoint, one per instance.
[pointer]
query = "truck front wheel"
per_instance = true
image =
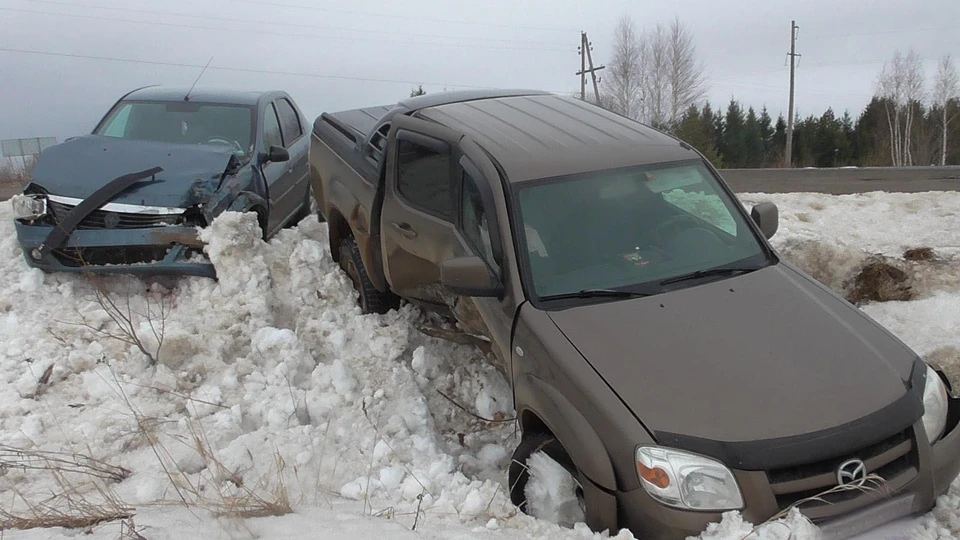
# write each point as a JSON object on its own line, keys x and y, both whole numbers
{"x": 558, "y": 497}
{"x": 370, "y": 299}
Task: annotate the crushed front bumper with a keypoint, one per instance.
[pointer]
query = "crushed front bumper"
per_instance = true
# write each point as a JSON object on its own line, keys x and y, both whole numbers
{"x": 158, "y": 251}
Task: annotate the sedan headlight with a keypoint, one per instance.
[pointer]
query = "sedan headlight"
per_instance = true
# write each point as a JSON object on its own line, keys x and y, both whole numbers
{"x": 688, "y": 481}
{"x": 29, "y": 206}
{"x": 934, "y": 405}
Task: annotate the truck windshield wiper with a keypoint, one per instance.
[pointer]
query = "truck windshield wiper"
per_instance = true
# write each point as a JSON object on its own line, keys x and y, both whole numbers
{"x": 596, "y": 293}
{"x": 710, "y": 272}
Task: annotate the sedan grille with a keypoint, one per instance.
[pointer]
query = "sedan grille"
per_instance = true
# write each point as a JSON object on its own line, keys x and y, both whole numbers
{"x": 101, "y": 219}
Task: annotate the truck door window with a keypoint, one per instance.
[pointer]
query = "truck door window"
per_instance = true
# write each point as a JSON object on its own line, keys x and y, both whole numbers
{"x": 377, "y": 142}
{"x": 474, "y": 221}
{"x": 271, "y": 128}
{"x": 289, "y": 121}
{"x": 423, "y": 178}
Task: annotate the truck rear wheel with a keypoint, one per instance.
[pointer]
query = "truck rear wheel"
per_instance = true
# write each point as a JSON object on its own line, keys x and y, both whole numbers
{"x": 370, "y": 299}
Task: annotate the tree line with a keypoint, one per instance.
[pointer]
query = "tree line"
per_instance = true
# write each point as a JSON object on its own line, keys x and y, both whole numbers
{"x": 654, "y": 76}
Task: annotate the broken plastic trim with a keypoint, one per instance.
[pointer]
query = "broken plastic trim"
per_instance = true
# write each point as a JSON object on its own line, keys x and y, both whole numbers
{"x": 115, "y": 187}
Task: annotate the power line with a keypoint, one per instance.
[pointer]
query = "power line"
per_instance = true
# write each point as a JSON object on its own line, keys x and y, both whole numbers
{"x": 284, "y": 34}
{"x": 236, "y": 69}
{"x": 292, "y": 25}
{"x": 404, "y": 17}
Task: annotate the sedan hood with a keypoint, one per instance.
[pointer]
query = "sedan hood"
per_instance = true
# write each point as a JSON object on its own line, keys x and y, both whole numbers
{"x": 764, "y": 356}
{"x": 79, "y": 167}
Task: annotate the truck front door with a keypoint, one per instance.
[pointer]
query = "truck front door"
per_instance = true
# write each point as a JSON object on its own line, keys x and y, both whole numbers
{"x": 417, "y": 219}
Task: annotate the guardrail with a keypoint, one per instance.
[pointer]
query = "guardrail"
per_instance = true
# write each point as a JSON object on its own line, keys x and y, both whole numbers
{"x": 845, "y": 180}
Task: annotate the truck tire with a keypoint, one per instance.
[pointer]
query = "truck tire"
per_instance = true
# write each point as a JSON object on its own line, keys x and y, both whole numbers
{"x": 519, "y": 474}
{"x": 370, "y": 299}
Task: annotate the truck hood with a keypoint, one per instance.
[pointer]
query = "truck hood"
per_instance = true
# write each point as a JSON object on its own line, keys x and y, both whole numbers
{"x": 79, "y": 167}
{"x": 768, "y": 355}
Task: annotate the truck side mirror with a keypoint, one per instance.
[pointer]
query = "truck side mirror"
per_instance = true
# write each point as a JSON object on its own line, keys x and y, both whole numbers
{"x": 469, "y": 276}
{"x": 767, "y": 217}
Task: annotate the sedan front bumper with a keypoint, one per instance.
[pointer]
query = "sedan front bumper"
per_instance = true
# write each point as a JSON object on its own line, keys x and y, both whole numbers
{"x": 169, "y": 251}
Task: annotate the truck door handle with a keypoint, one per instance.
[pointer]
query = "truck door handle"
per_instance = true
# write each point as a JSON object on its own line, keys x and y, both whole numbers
{"x": 404, "y": 229}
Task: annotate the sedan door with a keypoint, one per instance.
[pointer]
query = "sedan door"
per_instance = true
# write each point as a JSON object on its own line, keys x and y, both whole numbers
{"x": 296, "y": 183}
{"x": 274, "y": 173}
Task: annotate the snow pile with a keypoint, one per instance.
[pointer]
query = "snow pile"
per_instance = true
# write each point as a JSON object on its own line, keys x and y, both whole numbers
{"x": 551, "y": 492}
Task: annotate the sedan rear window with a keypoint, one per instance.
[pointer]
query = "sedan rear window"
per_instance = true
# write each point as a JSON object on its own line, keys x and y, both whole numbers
{"x": 182, "y": 122}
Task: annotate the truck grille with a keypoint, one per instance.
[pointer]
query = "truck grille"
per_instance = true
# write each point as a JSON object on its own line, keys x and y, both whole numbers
{"x": 100, "y": 219}
{"x": 893, "y": 459}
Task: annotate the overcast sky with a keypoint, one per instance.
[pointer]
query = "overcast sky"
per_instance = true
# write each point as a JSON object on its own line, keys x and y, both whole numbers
{"x": 321, "y": 51}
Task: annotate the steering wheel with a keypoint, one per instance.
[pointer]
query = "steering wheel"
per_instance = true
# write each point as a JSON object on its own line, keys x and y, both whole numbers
{"x": 224, "y": 141}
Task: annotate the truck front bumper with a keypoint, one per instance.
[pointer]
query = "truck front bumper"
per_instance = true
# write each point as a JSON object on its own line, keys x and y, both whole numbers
{"x": 162, "y": 251}
{"x": 936, "y": 466}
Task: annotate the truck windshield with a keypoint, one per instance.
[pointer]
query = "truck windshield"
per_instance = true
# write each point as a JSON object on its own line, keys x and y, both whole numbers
{"x": 183, "y": 123}
{"x": 633, "y": 229}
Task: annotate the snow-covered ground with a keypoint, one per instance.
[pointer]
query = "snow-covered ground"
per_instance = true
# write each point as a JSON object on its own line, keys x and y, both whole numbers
{"x": 270, "y": 387}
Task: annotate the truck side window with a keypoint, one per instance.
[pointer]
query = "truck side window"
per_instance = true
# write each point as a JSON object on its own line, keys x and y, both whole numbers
{"x": 475, "y": 222}
{"x": 377, "y": 142}
{"x": 423, "y": 178}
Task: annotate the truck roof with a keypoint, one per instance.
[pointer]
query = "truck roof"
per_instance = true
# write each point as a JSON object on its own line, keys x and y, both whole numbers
{"x": 546, "y": 135}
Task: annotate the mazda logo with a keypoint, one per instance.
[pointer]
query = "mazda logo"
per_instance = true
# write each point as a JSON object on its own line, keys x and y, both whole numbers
{"x": 852, "y": 473}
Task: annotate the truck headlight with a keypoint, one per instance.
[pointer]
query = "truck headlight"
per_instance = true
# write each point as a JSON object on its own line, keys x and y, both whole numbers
{"x": 683, "y": 480}
{"x": 29, "y": 206}
{"x": 934, "y": 405}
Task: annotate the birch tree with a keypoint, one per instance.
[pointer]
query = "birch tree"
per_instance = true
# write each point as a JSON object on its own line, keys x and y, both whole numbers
{"x": 900, "y": 84}
{"x": 624, "y": 83}
{"x": 657, "y": 76}
{"x": 687, "y": 80}
{"x": 946, "y": 89}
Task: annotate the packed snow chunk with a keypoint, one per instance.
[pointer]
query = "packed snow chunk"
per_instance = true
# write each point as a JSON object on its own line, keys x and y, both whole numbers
{"x": 205, "y": 401}
{"x": 343, "y": 380}
{"x": 361, "y": 488}
{"x": 551, "y": 492}
{"x": 424, "y": 363}
{"x": 391, "y": 477}
{"x": 492, "y": 454}
{"x": 473, "y": 505}
{"x": 31, "y": 280}
{"x": 794, "y": 526}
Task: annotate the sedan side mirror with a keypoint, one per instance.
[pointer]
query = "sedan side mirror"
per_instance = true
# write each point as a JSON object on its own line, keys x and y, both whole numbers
{"x": 469, "y": 276}
{"x": 767, "y": 217}
{"x": 277, "y": 154}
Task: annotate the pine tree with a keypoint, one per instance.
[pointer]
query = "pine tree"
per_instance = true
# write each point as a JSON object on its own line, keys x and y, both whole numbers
{"x": 753, "y": 140}
{"x": 766, "y": 136}
{"x": 778, "y": 142}
{"x": 696, "y": 129}
{"x": 734, "y": 149}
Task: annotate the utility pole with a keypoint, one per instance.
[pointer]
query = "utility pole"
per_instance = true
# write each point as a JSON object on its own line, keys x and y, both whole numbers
{"x": 788, "y": 154}
{"x": 585, "y": 56}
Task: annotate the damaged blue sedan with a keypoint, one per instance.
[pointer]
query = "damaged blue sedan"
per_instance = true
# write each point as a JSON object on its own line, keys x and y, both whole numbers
{"x": 131, "y": 197}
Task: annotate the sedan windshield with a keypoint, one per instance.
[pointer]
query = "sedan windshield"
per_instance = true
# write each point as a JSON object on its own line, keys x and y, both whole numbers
{"x": 182, "y": 122}
{"x": 634, "y": 229}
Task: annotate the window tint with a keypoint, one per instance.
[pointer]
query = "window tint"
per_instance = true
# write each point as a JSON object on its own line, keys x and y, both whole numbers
{"x": 271, "y": 129}
{"x": 116, "y": 126}
{"x": 475, "y": 221}
{"x": 289, "y": 121}
{"x": 423, "y": 178}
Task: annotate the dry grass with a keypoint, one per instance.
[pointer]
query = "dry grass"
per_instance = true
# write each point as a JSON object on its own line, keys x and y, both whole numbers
{"x": 880, "y": 281}
{"x": 13, "y": 174}
{"x": 920, "y": 254}
{"x": 75, "y": 504}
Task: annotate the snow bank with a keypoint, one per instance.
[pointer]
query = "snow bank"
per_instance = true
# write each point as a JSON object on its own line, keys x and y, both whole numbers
{"x": 272, "y": 374}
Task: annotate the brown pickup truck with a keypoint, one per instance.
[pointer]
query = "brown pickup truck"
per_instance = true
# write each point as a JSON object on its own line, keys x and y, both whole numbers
{"x": 657, "y": 346}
